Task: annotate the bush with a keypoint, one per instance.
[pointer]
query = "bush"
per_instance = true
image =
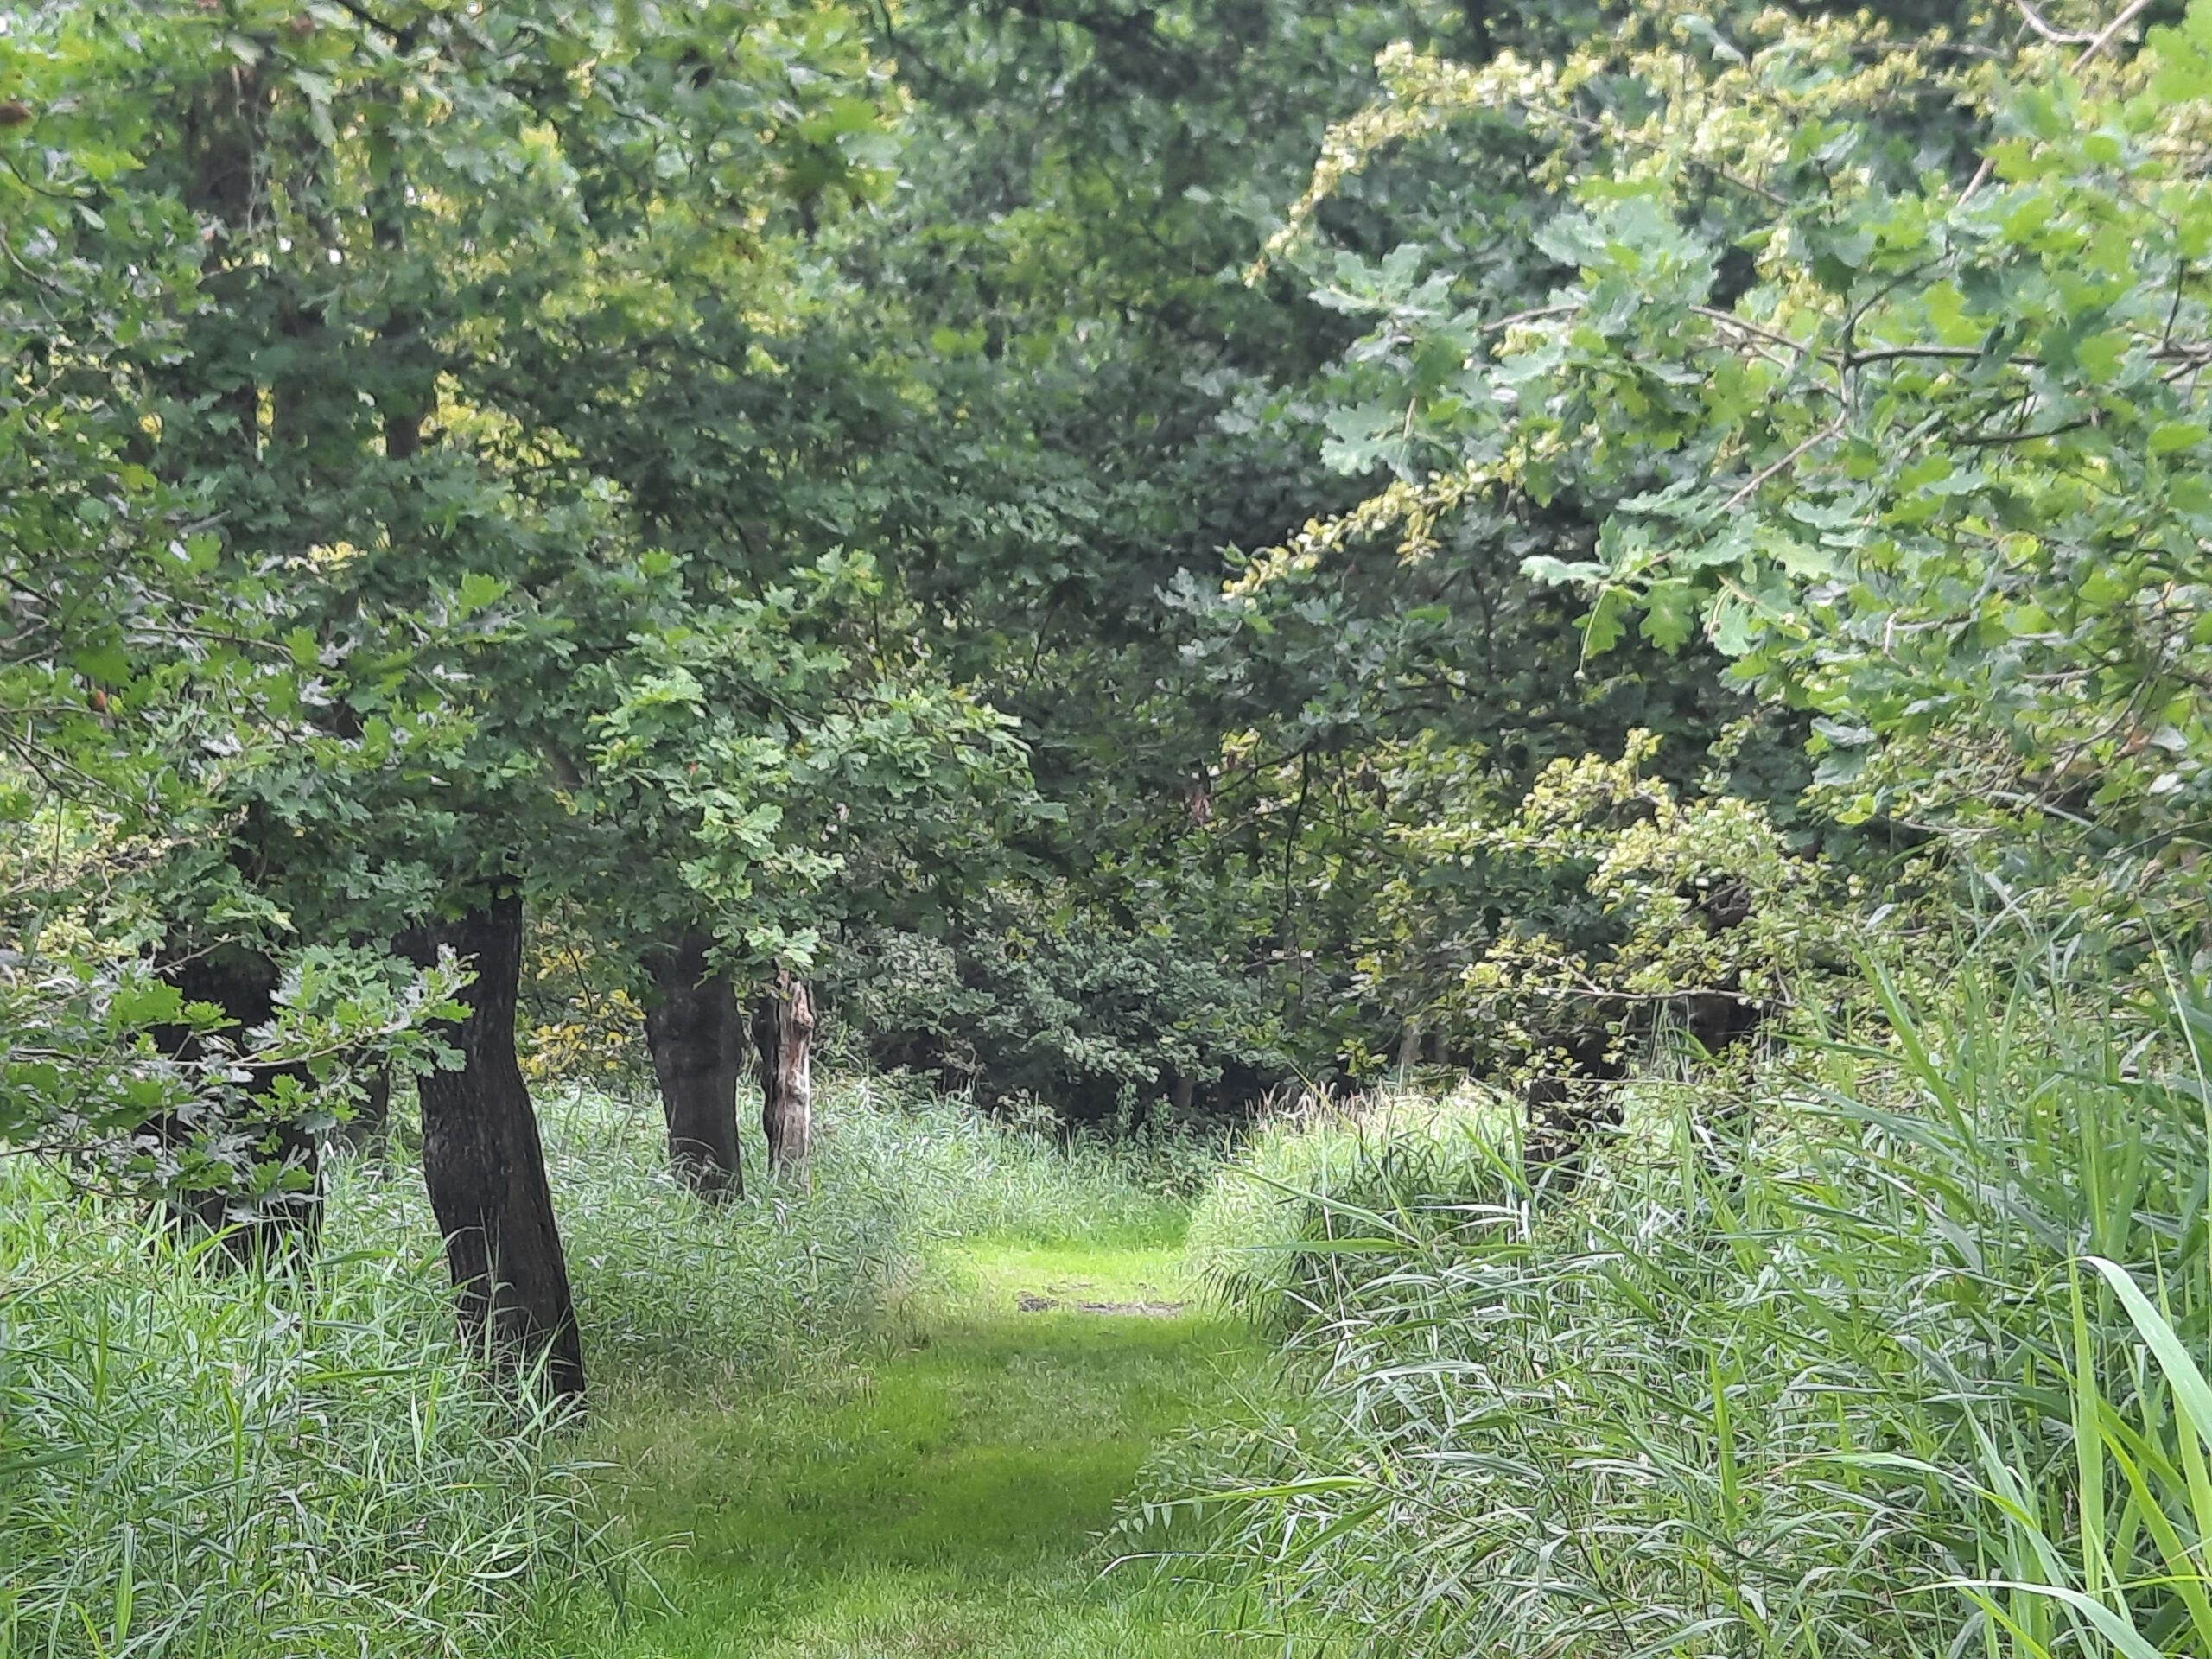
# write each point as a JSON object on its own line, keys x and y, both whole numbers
{"x": 1845, "y": 1379}
{"x": 1091, "y": 1019}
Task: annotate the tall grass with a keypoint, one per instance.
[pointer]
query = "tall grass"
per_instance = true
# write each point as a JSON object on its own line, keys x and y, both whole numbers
{"x": 196, "y": 1460}
{"x": 1322, "y": 1192}
{"x": 670, "y": 1289}
{"x": 200, "y": 1461}
{"x": 1903, "y": 1362}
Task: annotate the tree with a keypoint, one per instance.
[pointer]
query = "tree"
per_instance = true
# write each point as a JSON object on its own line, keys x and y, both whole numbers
{"x": 1894, "y": 414}
{"x": 387, "y": 204}
{"x": 800, "y": 778}
{"x": 1121, "y": 422}
{"x": 138, "y": 680}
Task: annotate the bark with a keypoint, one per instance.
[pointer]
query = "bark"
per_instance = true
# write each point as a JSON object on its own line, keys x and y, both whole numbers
{"x": 243, "y": 983}
{"x": 223, "y": 133}
{"x": 783, "y": 1030}
{"x": 1571, "y": 1101}
{"x": 484, "y": 1166}
{"x": 696, "y": 1035}
{"x": 1409, "y": 1037}
{"x": 409, "y": 397}
{"x": 371, "y": 1125}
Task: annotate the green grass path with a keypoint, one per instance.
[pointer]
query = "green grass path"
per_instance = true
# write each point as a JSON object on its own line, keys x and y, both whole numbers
{"x": 943, "y": 1491}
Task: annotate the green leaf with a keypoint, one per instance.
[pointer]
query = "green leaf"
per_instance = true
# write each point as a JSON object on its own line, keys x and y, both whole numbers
{"x": 2173, "y": 1358}
{"x": 103, "y": 664}
{"x": 1730, "y": 625}
{"x": 1669, "y": 613}
{"x": 476, "y": 591}
{"x": 139, "y": 1002}
{"x": 1607, "y": 621}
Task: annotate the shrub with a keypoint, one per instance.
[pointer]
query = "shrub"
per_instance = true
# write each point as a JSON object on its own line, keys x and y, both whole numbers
{"x": 1094, "y": 1020}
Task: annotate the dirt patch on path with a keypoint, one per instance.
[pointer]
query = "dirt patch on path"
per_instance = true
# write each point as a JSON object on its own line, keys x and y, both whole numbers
{"x": 1030, "y": 1302}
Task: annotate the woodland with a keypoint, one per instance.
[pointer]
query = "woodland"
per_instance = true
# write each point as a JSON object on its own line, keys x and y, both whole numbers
{"x": 1067, "y": 828}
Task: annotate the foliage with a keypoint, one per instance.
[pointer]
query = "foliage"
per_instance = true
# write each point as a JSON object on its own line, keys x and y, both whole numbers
{"x": 117, "y": 664}
{"x": 1851, "y": 1373}
{"x": 805, "y": 477}
{"x": 145, "y": 1089}
{"x": 800, "y": 779}
{"x": 1657, "y": 907}
{"x": 352, "y": 600}
{"x": 1912, "y": 452}
{"x": 581, "y": 1022}
{"x": 1052, "y": 1008}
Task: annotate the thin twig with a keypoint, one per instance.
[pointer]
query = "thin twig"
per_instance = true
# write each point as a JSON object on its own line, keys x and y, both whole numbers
{"x": 2056, "y": 38}
{"x": 2111, "y": 30}
{"x": 1827, "y": 432}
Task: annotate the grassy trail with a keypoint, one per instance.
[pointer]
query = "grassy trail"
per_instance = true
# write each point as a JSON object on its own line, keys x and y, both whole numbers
{"x": 941, "y": 1492}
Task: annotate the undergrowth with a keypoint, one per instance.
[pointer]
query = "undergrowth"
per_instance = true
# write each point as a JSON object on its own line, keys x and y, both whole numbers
{"x": 1899, "y": 1362}
{"x": 198, "y": 1459}
{"x": 1291, "y": 1228}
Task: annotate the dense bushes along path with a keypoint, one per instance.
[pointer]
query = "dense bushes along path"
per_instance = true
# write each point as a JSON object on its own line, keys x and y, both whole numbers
{"x": 943, "y": 1491}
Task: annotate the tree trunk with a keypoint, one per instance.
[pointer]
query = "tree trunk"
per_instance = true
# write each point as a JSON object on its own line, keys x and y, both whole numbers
{"x": 1570, "y": 1101}
{"x": 484, "y": 1164}
{"x": 223, "y": 135}
{"x": 783, "y": 1030}
{"x": 243, "y": 983}
{"x": 1408, "y": 1048}
{"x": 696, "y": 1035}
{"x": 371, "y": 1125}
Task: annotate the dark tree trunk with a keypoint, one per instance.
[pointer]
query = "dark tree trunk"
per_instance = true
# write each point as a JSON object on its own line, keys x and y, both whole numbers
{"x": 243, "y": 983}
{"x": 371, "y": 1125}
{"x": 1570, "y": 1101}
{"x": 411, "y": 382}
{"x": 696, "y": 1034}
{"x": 484, "y": 1164}
{"x": 783, "y": 1030}
{"x": 224, "y": 138}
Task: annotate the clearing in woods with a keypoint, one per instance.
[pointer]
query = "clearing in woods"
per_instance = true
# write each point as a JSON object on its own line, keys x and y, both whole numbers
{"x": 943, "y": 1491}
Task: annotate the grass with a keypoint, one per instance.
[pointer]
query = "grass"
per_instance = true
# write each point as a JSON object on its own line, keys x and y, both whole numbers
{"x": 1903, "y": 1362}
{"x": 200, "y": 1462}
{"x": 1896, "y": 1352}
{"x": 945, "y": 1487}
{"x": 826, "y": 1423}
